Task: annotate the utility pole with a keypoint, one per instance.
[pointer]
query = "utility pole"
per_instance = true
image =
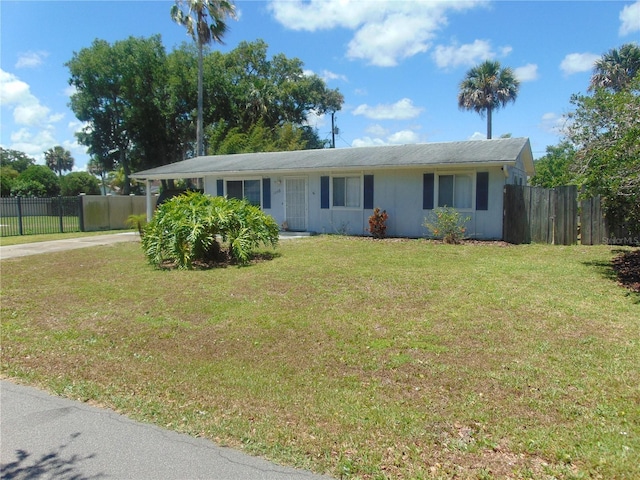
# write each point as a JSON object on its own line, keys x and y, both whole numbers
{"x": 334, "y": 130}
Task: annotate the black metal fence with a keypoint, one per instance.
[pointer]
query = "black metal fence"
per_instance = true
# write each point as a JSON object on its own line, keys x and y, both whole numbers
{"x": 30, "y": 216}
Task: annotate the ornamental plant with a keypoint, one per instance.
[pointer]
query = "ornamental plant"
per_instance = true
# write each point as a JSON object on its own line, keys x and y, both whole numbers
{"x": 377, "y": 223}
{"x": 447, "y": 224}
{"x": 195, "y": 228}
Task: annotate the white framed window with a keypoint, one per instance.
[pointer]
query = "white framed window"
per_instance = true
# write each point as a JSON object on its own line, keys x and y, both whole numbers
{"x": 346, "y": 191}
{"x": 251, "y": 190}
{"x": 455, "y": 190}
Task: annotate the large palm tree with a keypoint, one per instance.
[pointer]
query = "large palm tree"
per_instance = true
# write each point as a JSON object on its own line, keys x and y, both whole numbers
{"x": 616, "y": 68}
{"x": 205, "y": 23}
{"x": 487, "y": 87}
{"x": 59, "y": 160}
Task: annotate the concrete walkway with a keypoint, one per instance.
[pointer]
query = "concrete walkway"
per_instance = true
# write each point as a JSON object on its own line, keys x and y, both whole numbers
{"x": 47, "y": 437}
{"x": 12, "y": 251}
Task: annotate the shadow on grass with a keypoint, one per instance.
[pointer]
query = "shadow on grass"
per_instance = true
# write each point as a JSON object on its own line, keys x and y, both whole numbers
{"x": 53, "y": 464}
{"x": 624, "y": 269}
{"x": 223, "y": 261}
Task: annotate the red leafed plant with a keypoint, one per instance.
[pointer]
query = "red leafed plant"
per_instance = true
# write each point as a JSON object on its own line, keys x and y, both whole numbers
{"x": 377, "y": 223}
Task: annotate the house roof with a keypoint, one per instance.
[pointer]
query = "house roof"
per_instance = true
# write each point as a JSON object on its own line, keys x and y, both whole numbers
{"x": 497, "y": 152}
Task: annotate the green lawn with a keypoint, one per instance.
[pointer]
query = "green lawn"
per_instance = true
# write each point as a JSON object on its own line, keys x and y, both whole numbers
{"x": 358, "y": 358}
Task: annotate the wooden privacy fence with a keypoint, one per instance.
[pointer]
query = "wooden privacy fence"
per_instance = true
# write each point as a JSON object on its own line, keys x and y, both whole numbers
{"x": 552, "y": 215}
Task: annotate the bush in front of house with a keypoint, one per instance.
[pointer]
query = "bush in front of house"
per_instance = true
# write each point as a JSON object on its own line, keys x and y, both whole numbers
{"x": 197, "y": 229}
{"x": 378, "y": 223}
{"x": 447, "y": 224}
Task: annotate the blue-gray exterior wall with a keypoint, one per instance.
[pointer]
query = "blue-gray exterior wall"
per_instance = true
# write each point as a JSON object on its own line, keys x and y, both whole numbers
{"x": 398, "y": 191}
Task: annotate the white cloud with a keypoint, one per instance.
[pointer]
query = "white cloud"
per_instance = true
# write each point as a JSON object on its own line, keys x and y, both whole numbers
{"x": 630, "y": 19}
{"x": 469, "y": 54}
{"x": 553, "y": 123}
{"x": 328, "y": 75}
{"x": 382, "y": 137}
{"x": 385, "y": 32}
{"x": 401, "y": 110}
{"x": 478, "y": 136}
{"x": 578, "y": 62}
{"x": 368, "y": 142}
{"x": 376, "y": 130}
{"x": 527, "y": 73}
{"x": 34, "y": 144}
{"x": 404, "y": 137}
{"x": 27, "y": 109}
{"x": 316, "y": 120}
{"x": 394, "y": 38}
{"x": 31, "y": 59}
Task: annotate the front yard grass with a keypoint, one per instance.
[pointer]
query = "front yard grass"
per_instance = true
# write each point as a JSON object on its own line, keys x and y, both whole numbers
{"x": 348, "y": 356}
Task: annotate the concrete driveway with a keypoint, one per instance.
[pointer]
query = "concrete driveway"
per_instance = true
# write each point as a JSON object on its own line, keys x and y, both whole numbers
{"x": 12, "y": 251}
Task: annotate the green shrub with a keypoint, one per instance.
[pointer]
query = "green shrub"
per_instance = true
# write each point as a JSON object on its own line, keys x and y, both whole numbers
{"x": 447, "y": 224}
{"x": 188, "y": 229}
{"x": 7, "y": 177}
{"x": 377, "y": 223}
{"x": 75, "y": 183}
{"x": 43, "y": 175}
{"x": 137, "y": 221}
{"x": 27, "y": 188}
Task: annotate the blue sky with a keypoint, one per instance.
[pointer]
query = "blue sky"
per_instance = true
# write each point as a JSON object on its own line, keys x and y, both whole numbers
{"x": 398, "y": 63}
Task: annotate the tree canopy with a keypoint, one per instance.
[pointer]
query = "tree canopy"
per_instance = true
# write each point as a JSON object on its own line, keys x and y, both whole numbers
{"x": 59, "y": 160}
{"x": 76, "y": 183}
{"x": 553, "y": 169}
{"x": 205, "y": 21}
{"x": 605, "y": 130}
{"x": 15, "y": 159}
{"x": 617, "y": 68}
{"x": 140, "y": 103}
{"x": 118, "y": 93}
{"x": 488, "y": 87}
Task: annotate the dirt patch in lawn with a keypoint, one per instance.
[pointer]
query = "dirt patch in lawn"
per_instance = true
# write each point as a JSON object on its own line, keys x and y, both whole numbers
{"x": 627, "y": 267}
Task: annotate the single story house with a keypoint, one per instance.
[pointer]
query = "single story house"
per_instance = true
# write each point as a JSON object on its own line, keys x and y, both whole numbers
{"x": 336, "y": 190}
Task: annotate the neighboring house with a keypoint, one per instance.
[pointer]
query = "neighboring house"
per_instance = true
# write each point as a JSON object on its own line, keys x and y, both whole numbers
{"x": 336, "y": 190}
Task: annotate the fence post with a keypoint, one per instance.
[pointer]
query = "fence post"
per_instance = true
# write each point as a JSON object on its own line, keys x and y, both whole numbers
{"x": 81, "y": 211}
{"x": 60, "y": 213}
{"x": 19, "y": 204}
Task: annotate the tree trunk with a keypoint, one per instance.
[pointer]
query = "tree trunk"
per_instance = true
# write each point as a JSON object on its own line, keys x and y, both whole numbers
{"x": 126, "y": 188}
{"x": 199, "y": 127}
{"x": 489, "y": 111}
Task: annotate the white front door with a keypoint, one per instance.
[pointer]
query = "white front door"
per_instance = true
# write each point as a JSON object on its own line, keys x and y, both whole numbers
{"x": 295, "y": 209}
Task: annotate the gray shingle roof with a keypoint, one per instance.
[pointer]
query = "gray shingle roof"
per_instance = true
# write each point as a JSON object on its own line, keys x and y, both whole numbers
{"x": 482, "y": 152}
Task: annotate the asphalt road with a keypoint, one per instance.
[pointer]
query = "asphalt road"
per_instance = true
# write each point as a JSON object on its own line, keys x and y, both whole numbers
{"x": 47, "y": 437}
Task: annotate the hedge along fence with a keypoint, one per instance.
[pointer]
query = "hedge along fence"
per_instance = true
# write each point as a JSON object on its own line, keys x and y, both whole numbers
{"x": 86, "y": 213}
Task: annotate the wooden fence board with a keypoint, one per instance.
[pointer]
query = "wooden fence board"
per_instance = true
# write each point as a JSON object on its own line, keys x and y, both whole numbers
{"x": 540, "y": 215}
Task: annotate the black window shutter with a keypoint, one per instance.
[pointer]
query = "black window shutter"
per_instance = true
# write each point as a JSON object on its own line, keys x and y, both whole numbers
{"x": 368, "y": 192}
{"x": 220, "y": 187}
{"x": 427, "y": 191}
{"x": 324, "y": 192}
{"x": 482, "y": 191}
{"x": 266, "y": 193}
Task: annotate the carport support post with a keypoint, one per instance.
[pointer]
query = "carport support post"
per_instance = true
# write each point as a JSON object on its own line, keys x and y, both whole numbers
{"x": 149, "y": 206}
